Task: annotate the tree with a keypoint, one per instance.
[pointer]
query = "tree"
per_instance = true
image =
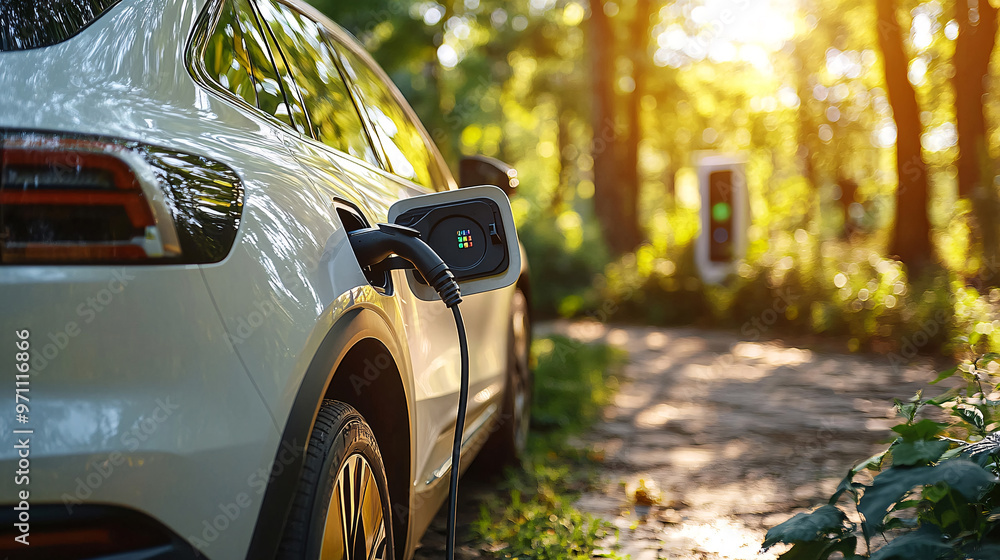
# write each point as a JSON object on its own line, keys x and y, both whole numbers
{"x": 911, "y": 235}
{"x": 611, "y": 194}
{"x": 638, "y": 55}
{"x": 977, "y": 30}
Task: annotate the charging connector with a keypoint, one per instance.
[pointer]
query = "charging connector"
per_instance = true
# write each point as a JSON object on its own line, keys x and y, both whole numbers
{"x": 374, "y": 245}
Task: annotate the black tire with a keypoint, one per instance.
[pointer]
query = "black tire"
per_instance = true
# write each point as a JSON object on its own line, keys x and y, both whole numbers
{"x": 507, "y": 442}
{"x": 342, "y": 466}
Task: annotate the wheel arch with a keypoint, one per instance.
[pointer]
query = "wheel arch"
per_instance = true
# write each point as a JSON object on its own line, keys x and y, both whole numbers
{"x": 368, "y": 378}
{"x": 361, "y": 337}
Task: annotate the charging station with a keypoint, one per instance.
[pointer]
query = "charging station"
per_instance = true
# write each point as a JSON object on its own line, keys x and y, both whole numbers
{"x": 724, "y": 216}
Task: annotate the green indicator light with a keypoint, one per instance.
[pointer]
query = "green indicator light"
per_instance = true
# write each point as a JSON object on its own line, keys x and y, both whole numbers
{"x": 721, "y": 211}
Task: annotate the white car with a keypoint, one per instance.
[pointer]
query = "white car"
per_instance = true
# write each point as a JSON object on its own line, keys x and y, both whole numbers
{"x": 197, "y": 363}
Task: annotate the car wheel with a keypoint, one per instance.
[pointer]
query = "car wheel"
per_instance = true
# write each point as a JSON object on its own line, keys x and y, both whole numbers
{"x": 510, "y": 439}
{"x": 341, "y": 508}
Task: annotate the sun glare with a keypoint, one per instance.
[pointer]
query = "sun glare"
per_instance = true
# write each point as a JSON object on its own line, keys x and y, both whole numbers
{"x": 724, "y": 31}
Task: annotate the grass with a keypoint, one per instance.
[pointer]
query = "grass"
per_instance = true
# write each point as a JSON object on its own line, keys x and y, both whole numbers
{"x": 535, "y": 517}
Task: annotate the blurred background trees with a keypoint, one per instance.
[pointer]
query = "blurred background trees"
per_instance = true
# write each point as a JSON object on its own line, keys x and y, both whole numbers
{"x": 870, "y": 129}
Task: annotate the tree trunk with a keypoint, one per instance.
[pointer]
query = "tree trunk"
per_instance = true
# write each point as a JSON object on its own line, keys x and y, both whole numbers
{"x": 911, "y": 235}
{"x": 973, "y": 50}
{"x": 638, "y": 52}
{"x": 807, "y": 126}
{"x": 565, "y": 163}
{"x": 608, "y": 199}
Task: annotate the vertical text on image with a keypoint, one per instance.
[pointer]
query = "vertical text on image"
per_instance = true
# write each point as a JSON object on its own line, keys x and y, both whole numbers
{"x": 22, "y": 435}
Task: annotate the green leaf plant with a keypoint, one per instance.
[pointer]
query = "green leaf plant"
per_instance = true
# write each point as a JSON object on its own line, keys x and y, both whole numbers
{"x": 932, "y": 494}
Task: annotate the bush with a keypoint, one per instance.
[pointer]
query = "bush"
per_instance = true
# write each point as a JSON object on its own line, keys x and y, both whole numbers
{"x": 651, "y": 286}
{"x": 935, "y": 492}
{"x": 564, "y": 255}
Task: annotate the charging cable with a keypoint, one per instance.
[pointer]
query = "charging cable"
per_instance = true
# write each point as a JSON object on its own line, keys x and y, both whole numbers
{"x": 377, "y": 244}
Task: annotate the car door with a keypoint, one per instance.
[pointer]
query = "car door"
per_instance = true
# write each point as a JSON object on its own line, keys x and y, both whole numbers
{"x": 335, "y": 80}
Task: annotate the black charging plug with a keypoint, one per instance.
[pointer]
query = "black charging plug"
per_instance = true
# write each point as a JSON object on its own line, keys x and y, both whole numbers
{"x": 374, "y": 245}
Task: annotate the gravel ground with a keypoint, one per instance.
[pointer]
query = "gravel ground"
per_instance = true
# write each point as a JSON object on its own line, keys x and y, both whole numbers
{"x": 728, "y": 437}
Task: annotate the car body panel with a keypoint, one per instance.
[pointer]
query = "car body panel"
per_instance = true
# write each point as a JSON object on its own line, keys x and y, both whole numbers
{"x": 118, "y": 419}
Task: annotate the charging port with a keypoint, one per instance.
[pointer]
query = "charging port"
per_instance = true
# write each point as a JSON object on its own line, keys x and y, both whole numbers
{"x": 354, "y": 220}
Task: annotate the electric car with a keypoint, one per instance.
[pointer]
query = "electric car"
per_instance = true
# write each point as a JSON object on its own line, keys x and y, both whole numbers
{"x": 198, "y": 365}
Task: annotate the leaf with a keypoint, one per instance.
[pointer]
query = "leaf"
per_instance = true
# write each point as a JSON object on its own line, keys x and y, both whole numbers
{"x": 951, "y": 454}
{"x": 943, "y": 397}
{"x": 917, "y": 452}
{"x": 900, "y": 523}
{"x": 945, "y": 375}
{"x": 913, "y": 546}
{"x": 949, "y": 518}
{"x": 972, "y": 415}
{"x": 847, "y": 484}
{"x": 872, "y": 463}
{"x": 922, "y": 430}
{"x": 935, "y": 493}
{"x": 989, "y": 444}
{"x": 907, "y": 411}
{"x": 821, "y": 550}
{"x": 806, "y": 527}
{"x": 889, "y": 487}
{"x": 905, "y": 504}
{"x": 805, "y": 551}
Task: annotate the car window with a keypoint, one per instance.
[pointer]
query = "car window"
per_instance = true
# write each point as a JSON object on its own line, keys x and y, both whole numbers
{"x": 237, "y": 58}
{"x": 333, "y": 118}
{"x": 409, "y": 155}
{"x": 297, "y": 119}
{"x": 226, "y": 60}
{"x": 270, "y": 97}
{"x": 30, "y": 24}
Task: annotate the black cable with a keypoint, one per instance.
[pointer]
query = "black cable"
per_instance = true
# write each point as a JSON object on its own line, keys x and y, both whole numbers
{"x": 456, "y": 452}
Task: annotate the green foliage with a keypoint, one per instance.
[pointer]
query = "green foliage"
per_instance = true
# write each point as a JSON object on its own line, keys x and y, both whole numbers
{"x": 540, "y": 521}
{"x": 935, "y": 492}
{"x": 572, "y": 383}
{"x": 831, "y": 289}
{"x": 657, "y": 287}
{"x": 805, "y": 527}
{"x": 565, "y": 255}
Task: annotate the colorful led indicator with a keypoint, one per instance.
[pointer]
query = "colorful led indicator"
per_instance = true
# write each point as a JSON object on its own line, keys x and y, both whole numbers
{"x": 464, "y": 238}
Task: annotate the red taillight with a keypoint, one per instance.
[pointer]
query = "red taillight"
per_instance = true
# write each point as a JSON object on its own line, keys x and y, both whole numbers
{"x": 87, "y": 200}
{"x": 85, "y": 531}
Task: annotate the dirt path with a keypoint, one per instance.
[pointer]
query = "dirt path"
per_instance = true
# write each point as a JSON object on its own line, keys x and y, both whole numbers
{"x": 735, "y": 436}
{"x": 731, "y": 436}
